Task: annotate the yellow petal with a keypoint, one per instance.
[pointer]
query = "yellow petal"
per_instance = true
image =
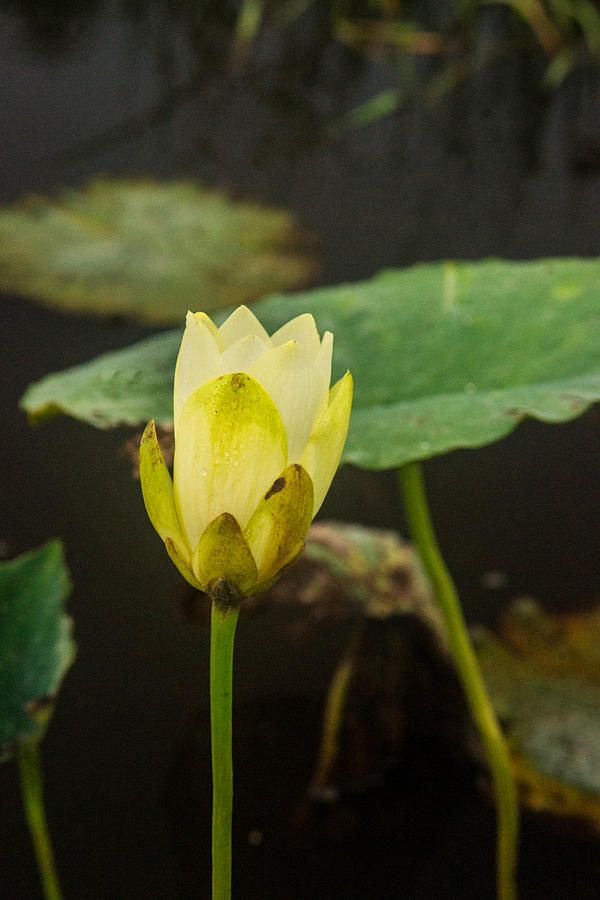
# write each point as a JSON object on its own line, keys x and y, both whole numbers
{"x": 207, "y": 322}
{"x": 222, "y": 552}
{"x": 324, "y": 449}
{"x": 276, "y": 371}
{"x": 298, "y": 382}
{"x": 301, "y": 329}
{"x": 230, "y": 447}
{"x": 157, "y": 489}
{"x": 198, "y": 361}
{"x": 278, "y": 527}
{"x": 239, "y": 357}
{"x": 241, "y": 323}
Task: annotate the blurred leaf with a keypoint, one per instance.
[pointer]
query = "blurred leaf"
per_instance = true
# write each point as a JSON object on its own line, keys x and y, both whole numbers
{"x": 396, "y": 659}
{"x": 444, "y": 355}
{"x": 148, "y": 250}
{"x": 247, "y": 27}
{"x": 378, "y": 107}
{"x": 566, "y": 645}
{"x": 377, "y": 574}
{"x": 127, "y": 387}
{"x": 544, "y": 680}
{"x": 36, "y": 647}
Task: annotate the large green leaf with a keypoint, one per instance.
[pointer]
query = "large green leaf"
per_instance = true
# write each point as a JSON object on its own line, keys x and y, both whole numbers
{"x": 443, "y": 355}
{"x": 36, "y": 647}
{"x": 128, "y": 387}
{"x": 147, "y": 249}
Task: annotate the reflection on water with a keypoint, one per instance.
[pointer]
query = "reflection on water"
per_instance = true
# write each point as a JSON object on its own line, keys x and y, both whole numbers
{"x": 492, "y": 167}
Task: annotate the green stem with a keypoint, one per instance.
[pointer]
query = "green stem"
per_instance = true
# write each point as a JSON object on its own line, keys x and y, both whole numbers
{"x": 224, "y": 616}
{"x": 28, "y": 758}
{"x": 482, "y": 711}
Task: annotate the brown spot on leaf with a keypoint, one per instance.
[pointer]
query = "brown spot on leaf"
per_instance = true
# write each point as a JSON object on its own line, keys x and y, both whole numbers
{"x": 39, "y": 705}
{"x": 278, "y": 485}
{"x": 40, "y": 709}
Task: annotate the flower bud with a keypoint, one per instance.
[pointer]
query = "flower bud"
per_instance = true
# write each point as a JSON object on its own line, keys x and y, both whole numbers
{"x": 258, "y": 438}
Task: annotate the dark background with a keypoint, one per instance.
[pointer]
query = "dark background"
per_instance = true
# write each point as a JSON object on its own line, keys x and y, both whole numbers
{"x": 497, "y": 166}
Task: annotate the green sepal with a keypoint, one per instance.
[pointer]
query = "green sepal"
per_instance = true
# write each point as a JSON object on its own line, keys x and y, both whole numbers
{"x": 287, "y": 563}
{"x": 157, "y": 486}
{"x": 277, "y": 529}
{"x": 181, "y": 561}
{"x": 222, "y": 552}
{"x": 157, "y": 489}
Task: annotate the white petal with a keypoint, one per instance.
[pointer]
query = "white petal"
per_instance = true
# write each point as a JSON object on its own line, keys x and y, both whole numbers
{"x": 241, "y": 323}
{"x": 240, "y": 357}
{"x": 299, "y": 385}
{"x": 301, "y": 329}
{"x": 199, "y": 359}
{"x": 276, "y": 371}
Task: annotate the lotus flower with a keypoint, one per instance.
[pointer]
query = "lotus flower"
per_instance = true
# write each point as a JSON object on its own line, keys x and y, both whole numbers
{"x": 258, "y": 438}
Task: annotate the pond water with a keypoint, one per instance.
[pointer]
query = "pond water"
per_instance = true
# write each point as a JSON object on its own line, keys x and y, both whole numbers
{"x": 496, "y": 167}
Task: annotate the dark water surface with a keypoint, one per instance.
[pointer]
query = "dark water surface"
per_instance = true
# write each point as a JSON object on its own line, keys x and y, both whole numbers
{"x": 496, "y": 168}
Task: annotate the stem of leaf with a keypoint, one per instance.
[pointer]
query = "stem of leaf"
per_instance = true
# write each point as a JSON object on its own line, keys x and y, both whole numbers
{"x": 29, "y": 762}
{"x": 224, "y": 617}
{"x": 333, "y": 717}
{"x": 480, "y": 706}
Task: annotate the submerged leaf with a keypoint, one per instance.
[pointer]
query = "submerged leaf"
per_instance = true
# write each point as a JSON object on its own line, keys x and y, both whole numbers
{"x": 443, "y": 356}
{"x": 352, "y": 570}
{"x": 544, "y": 681}
{"x": 36, "y": 647}
{"x": 395, "y": 676}
{"x": 147, "y": 249}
